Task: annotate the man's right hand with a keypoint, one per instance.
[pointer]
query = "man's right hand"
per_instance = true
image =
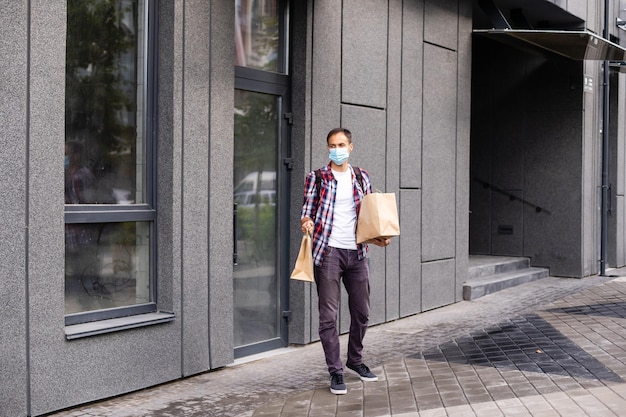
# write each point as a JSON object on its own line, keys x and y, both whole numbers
{"x": 306, "y": 225}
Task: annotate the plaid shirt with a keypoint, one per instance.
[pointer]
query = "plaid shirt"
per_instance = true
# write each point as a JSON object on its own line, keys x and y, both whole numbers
{"x": 323, "y": 218}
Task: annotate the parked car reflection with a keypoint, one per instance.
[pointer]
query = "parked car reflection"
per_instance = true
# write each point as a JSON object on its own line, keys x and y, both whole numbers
{"x": 254, "y": 274}
{"x": 256, "y": 188}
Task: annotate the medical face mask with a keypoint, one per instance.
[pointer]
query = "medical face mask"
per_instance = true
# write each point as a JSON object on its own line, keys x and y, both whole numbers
{"x": 339, "y": 155}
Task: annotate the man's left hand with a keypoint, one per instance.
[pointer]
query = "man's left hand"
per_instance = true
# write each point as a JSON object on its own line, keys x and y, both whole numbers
{"x": 380, "y": 241}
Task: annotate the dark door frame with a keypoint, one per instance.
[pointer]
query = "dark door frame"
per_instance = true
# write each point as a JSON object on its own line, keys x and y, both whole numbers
{"x": 278, "y": 85}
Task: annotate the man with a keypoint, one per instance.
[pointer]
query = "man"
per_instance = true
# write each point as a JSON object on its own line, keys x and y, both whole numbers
{"x": 331, "y": 217}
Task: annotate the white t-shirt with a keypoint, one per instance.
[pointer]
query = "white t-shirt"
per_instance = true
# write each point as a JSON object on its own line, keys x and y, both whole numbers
{"x": 344, "y": 214}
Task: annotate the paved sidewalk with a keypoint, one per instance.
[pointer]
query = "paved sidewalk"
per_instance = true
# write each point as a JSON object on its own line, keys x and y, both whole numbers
{"x": 552, "y": 347}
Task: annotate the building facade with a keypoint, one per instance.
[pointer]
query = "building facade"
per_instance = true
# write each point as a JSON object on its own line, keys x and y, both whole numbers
{"x": 161, "y": 246}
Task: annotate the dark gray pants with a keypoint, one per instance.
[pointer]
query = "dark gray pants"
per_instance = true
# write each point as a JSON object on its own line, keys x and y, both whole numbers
{"x": 338, "y": 264}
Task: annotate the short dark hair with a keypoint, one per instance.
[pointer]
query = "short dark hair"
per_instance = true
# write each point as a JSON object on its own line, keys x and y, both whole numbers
{"x": 339, "y": 130}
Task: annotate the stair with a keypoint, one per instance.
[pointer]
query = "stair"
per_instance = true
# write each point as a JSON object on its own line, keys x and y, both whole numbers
{"x": 489, "y": 274}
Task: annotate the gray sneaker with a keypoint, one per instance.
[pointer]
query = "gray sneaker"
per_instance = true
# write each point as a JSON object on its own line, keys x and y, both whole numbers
{"x": 364, "y": 372}
{"x": 337, "y": 386}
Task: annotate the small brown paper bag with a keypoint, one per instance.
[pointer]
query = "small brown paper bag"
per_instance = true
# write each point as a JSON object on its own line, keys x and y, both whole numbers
{"x": 303, "y": 270}
{"x": 378, "y": 217}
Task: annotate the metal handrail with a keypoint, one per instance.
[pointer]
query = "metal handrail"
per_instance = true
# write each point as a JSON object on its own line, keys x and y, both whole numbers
{"x": 513, "y": 197}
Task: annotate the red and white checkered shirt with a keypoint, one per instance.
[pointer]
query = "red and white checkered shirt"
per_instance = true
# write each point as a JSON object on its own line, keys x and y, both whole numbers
{"x": 322, "y": 212}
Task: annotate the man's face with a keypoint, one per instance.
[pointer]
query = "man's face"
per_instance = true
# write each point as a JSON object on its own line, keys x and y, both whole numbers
{"x": 339, "y": 141}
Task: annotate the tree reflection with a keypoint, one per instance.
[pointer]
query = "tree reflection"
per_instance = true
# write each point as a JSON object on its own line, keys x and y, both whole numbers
{"x": 101, "y": 90}
{"x": 255, "y": 172}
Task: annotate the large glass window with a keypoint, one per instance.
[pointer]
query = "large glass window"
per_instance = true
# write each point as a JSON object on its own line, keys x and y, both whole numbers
{"x": 109, "y": 212}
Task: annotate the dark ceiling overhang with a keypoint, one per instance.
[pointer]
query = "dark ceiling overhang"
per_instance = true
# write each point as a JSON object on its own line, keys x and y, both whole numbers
{"x": 578, "y": 45}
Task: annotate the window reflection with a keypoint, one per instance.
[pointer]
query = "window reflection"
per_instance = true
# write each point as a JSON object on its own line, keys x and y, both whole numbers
{"x": 103, "y": 103}
{"x": 256, "y": 188}
{"x": 106, "y": 265}
{"x": 79, "y": 180}
{"x": 256, "y": 34}
{"x": 255, "y": 282}
{"x": 107, "y": 259}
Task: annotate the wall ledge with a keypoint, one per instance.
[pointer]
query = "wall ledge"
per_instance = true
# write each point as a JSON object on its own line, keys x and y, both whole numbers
{"x": 78, "y": 331}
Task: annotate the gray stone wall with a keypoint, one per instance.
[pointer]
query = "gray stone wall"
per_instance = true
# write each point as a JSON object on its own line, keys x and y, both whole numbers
{"x": 221, "y": 154}
{"x": 42, "y": 371}
{"x": 592, "y": 151}
{"x": 13, "y": 221}
{"x": 194, "y": 152}
{"x": 45, "y": 264}
{"x": 617, "y": 173}
{"x": 620, "y": 174}
{"x": 399, "y": 81}
{"x": 196, "y": 81}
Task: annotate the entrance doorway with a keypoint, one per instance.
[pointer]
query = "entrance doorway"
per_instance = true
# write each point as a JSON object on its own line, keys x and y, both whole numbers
{"x": 259, "y": 282}
{"x": 261, "y": 179}
{"x": 531, "y": 184}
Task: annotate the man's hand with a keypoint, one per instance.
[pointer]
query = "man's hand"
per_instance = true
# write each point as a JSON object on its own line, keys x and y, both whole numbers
{"x": 379, "y": 241}
{"x": 306, "y": 225}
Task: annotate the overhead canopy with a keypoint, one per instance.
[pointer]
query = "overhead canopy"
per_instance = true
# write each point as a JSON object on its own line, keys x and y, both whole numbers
{"x": 541, "y": 26}
{"x": 577, "y": 45}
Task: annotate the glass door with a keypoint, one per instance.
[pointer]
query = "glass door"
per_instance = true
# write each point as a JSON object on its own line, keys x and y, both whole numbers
{"x": 256, "y": 281}
{"x": 260, "y": 198}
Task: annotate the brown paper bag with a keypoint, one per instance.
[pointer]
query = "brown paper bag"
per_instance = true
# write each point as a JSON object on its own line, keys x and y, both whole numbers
{"x": 303, "y": 270}
{"x": 378, "y": 217}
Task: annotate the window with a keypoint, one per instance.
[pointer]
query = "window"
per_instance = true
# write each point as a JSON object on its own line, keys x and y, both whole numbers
{"x": 257, "y": 29}
{"x": 109, "y": 208}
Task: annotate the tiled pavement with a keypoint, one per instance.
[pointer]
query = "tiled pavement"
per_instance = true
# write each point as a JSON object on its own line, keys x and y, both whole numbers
{"x": 553, "y": 347}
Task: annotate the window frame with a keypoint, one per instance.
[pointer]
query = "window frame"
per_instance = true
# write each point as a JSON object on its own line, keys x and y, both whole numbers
{"x": 145, "y": 212}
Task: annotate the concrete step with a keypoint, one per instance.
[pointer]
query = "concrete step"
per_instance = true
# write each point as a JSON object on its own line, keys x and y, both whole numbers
{"x": 484, "y": 265}
{"x": 491, "y": 274}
